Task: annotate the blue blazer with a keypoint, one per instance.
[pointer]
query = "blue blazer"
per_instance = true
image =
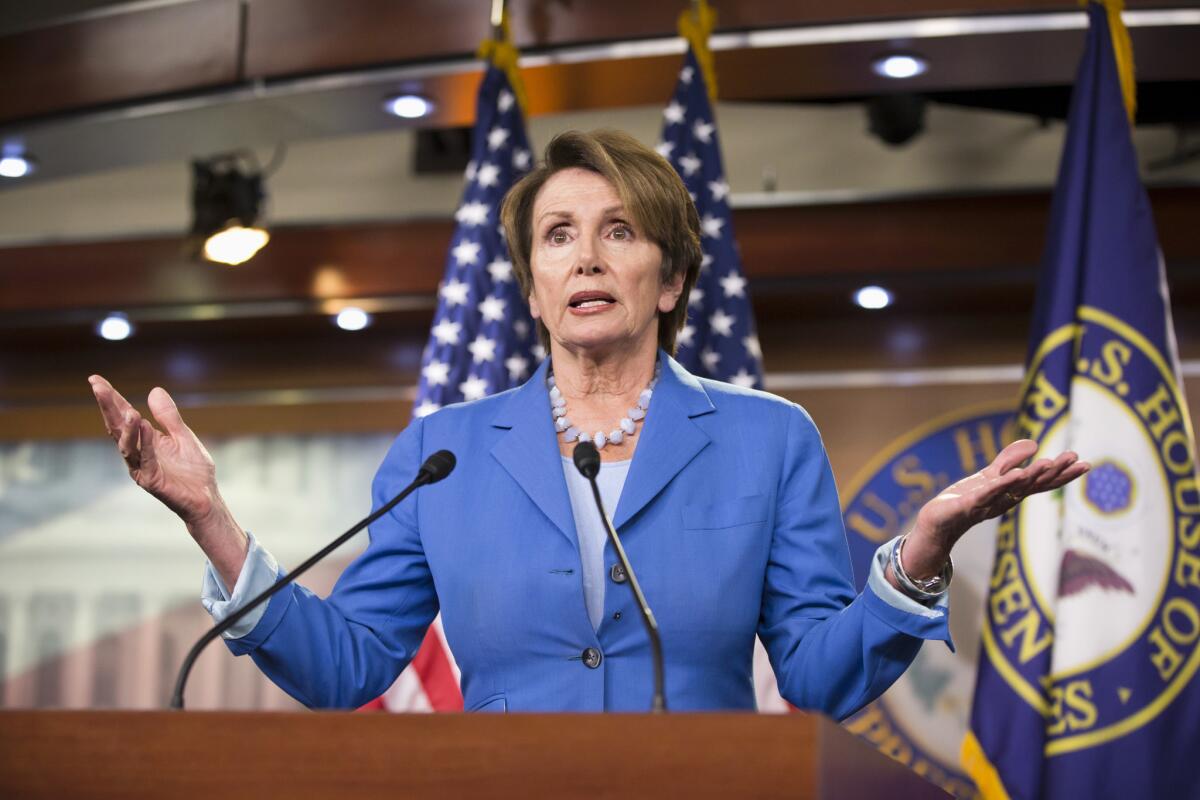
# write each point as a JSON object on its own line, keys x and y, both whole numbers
{"x": 729, "y": 515}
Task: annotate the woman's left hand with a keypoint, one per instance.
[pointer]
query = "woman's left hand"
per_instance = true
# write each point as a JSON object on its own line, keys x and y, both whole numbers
{"x": 986, "y": 494}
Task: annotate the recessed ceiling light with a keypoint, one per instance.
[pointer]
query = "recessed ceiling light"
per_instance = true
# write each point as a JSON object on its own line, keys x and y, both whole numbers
{"x": 16, "y": 166}
{"x": 115, "y": 327}
{"x": 873, "y": 297}
{"x": 899, "y": 66}
{"x": 352, "y": 318}
{"x": 408, "y": 106}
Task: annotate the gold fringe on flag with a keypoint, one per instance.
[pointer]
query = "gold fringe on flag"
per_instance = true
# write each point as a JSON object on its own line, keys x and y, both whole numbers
{"x": 503, "y": 54}
{"x": 695, "y": 25}
{"x": 1123, "y": 49}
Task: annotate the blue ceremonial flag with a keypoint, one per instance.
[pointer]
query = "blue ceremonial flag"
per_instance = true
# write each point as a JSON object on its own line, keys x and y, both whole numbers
{"x": 720, "y": 340}
{"x": 1091, "y": 632}
{"x": 482, "y": 340}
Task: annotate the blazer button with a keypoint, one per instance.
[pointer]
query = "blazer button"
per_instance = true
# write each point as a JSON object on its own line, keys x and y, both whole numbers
{"x": 591, "y": 658}
{"x": 617, "y": 573}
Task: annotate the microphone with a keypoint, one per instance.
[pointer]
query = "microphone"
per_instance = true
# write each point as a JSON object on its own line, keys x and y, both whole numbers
{"x": 587, "y": 461}
{"x": 436, "y": 467}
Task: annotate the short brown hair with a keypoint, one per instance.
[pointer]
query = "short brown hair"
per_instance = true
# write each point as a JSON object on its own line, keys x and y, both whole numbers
{"x": 651, "y": 192}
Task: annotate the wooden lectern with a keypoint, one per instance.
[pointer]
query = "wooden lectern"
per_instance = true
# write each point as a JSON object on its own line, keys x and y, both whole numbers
{"x": 225, "y": 755}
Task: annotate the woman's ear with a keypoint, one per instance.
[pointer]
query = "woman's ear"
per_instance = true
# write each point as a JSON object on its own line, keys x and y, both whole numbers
{"x": 671, "y": 291}
{"x": 535, "y": 310}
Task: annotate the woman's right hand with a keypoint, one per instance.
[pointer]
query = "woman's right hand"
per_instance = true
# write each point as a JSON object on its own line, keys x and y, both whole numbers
{"x": 173, "y": 466}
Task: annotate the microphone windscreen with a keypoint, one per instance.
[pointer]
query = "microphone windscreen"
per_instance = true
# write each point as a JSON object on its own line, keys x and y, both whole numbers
{"x": 587, "y": 459}
{"x": 438, "y": 465}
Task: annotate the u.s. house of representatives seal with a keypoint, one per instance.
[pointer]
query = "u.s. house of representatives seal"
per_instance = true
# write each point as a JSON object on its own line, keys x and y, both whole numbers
{"x": 922, "y": 719}
{"x": 1098, "y": 584}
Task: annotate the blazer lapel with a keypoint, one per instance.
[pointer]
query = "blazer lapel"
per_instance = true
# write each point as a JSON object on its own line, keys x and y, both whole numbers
{"x": 529, "y": 451}
{"x": 669, "y": 437}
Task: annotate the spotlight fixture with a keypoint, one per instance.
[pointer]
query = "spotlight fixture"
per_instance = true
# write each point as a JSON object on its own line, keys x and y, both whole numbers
{"x": 227, "y": 200}
{"x": 900, "y": 66}
{"x": 15, "y": 162}
{"x": 873, "y": 297}
{"x": 115, "y": 327}
{"x": 408, "y": 106}
{"x": 352, "y": 318}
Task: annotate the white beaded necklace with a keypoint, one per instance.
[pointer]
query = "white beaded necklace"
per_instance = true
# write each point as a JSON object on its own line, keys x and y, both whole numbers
{"x": 626, "y": 427}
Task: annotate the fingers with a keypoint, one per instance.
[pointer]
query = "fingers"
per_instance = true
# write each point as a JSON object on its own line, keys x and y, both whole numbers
{"x": 113, "y": 407}
{"x": 1013, "y": 455}
{"x": 166, "y": 413}
{"x": 128, "y": 439}
{"x": 149, "y": 459}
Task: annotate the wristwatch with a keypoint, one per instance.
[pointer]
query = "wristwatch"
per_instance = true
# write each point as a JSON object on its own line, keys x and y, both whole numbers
{"x": 922, "y": 589}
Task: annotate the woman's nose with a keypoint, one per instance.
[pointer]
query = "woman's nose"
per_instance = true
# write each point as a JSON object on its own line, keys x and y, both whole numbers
{"x": 588, "y": 261}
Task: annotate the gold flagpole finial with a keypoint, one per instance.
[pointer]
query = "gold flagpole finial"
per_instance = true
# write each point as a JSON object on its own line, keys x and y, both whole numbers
{"x": 1122, "y": 50}
{"x": 696, "y": 24}
{"x": 500, "y": 51}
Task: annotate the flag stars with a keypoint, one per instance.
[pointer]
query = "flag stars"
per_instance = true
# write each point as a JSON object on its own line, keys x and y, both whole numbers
{"x": 521, "y": 328}
{"x": 690, "y": 164}
{"x": 482, "y": 349}
{"x": 752, "y": 346}
{"x": 711, "y": 226}
{"x": 472, "y": 167}
{"x": 705, "y": 262}
{"x": 696, "y": 297}
{"x": 673, "y": 113}
{"x": 734, "y": 285}
{"x": 504, "y": 101}
{"x": 521, "y": 159}
{"x": 664, "y": 149}
{"x": 488, "y": 174}
{"x": 703, "y": 131}
{"x": 492, "y": 309}
{"x": 500, "y": 270}
{"x": 447, "y": 332}
{"x": 473, "y": 388}
{"x": 743, "y": 379}
{"x": 436, "y": 373}
{"x": 722, "y": 323}
{"x": 686, "y": 74}
{"x": 455, "y": 293}
{"x": 686, "y": 335}
{"x": 425, "y": 409}
{"x": 718, "y": 189}
{"x": 466, "y": 252}
{"x": 710, "y": 358}
{"x": 472, "y": 214}
{"x": 517, "y": 366}
{"x": 497, "y": 137}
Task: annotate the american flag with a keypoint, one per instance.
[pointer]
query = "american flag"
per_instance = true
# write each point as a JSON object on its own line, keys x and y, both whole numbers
{"x": 720, "y": 340}
{"x": 482, "y": 340}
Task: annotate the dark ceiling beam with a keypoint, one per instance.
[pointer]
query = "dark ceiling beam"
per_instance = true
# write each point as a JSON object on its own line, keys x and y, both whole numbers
{"x": 122, "y": 59}
{"x": 972, "y": 235}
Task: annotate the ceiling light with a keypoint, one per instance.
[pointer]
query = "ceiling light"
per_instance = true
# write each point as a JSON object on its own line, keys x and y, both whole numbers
{"x": 408, "y": 106}
{"x": 14, "y": 165}
{"x": 352, "y": 318}
{"x": 873, "y": 297}
{"x": 227, "y": 200}
{"x": 115, "y": 327}
{"x": 899, "y": 66}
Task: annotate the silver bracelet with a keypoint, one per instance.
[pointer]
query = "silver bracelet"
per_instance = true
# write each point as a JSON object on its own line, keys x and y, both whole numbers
{"x": 927, "y": 589}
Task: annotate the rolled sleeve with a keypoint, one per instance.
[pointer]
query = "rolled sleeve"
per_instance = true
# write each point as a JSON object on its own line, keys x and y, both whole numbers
{"x": 925, "y": 621}
{"x": 259, "y": 572}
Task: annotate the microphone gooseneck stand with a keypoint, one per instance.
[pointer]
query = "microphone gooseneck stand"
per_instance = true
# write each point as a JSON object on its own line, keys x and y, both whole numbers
{"x": 436, "y": 467}
{"x": 587, "y": 461}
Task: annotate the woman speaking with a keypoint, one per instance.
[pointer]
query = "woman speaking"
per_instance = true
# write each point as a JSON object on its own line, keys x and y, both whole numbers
{"x": 723, "y": 496}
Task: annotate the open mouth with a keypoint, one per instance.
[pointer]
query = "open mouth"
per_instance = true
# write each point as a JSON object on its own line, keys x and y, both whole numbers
{"x": 583, "y": 300}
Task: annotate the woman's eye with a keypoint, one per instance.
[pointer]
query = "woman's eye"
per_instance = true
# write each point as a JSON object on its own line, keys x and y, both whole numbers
{"x": 622, "y": 232}
{"x": 558, "y": 236}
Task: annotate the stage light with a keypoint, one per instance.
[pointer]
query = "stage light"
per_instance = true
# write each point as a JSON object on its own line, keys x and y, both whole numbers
{"x": 352, "y": 318}
{"x": 899, "y": 67}
{"x": 873, "y": 297}
{"x": 227, "y": 200}
{"x": 115, "y": 327}
{"x": 16, "y": 165}
{"x": 408, "y": 106}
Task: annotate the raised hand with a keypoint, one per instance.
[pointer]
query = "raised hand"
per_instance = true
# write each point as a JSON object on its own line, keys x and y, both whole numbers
{"x": 172, "y": 465}
{"x": 986, "y": 494}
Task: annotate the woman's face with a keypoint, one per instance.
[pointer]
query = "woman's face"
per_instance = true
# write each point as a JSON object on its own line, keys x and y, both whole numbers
{"x": 596, "y": 276}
